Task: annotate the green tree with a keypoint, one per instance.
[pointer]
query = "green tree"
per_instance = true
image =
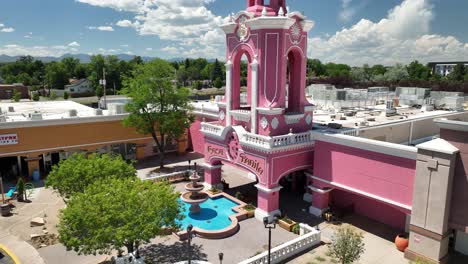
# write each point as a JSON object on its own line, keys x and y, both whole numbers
{"x": 378, "y": 69}
{"x": 53, "y": 96}
{"x": 218, "y": 83}
{"x": 66, "y": 95}
{"x": 16, "y": 96}
{"x": 217, "y": 71}
{"x": 35, "y": 96}
{"x": 417, "y": 71}
{"x": 337, "y": 70}
{"x": 70, "y": 64}
{"x": 56, "y": 75}
{"x": 347, "y": 245}
{"x": 74, "y": 174}
{"x": 116, "y": 213}
{"x": 396, "y": 73}
{"x": 158, "y": 107}
{"x": 458, "y": 73}
{"x": 315, "y": 68}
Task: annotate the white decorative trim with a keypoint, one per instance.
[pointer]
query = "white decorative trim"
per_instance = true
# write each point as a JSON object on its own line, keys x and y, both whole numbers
{"x": 241, "y": 115}
{"x": 316, "y": 211}
{"x": 270, "y": 23}
{"x": 266, "y": 190}
{"x": 260, "y": 214}
{"x": 452, "y": 124}
{"x": 264, "y": 123}
{"x": 222, "y": 115}
{"x": 319, "y": 190}
{"x": 309, "y": 108}
{"x": 309, "y": 119}
{"x": 228, "y": 91}
{"x": 373, "y": 196}
{"x": 270, "y": 111}
{"x": 254, "y": 101}
{"x": 211, "y": 167}
{"x": 397, "y": 150}
{"x": 293, "y": 119}
{"x": 229, "y": 28}
{"x": 274, "y": 123}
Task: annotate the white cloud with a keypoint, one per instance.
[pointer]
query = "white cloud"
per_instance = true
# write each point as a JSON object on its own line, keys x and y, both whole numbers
{"x": 404, "y": 35}
{"x": 37, "y": 51}
{"x": 74, "y": 44}
{"x": 149, "y": 49}
{"x": 7, "y": 29}
{"x": 102, "y": 28}
{"x": 29, "y": 35}
{"x": 2, "y": 25}
{"x": 189, "y": 23}
{"x": 124, "y": 45}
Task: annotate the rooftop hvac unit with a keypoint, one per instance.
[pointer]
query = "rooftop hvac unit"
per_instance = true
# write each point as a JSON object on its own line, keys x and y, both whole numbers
{"x": 116, "y": 109}
{"x": 98, "y": 112}
{"x": 35, "y": 116}
{"x": 11, "y": 109}
{"x": 72, "y": 113}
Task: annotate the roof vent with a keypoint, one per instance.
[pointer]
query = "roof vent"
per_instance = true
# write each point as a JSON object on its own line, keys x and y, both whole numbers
{"x": 11, "y": 109}
{"x": 72, "y": 113}
{"x": 35, "y": 116}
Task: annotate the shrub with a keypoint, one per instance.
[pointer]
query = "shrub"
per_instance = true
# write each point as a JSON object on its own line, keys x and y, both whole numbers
{"x": 66, "y": 95}
{"x": 239, "y": 196}
{"x": 16, "y": 96}
{"x": 35, "y": 96}
{"x": 295, "y": 229}
{"x": 249, "y": 207}
{"x": 347, "y": 245}
{"x": 218, "y": 83}
{"x": 20, "y": 188}
{"x": 53, "y": 96}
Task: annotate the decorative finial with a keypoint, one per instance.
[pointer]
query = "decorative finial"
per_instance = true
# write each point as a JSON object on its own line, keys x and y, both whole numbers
{"x": 281, "y": 12}
{"x": 230, "y": 18}
{"x": 264, "y": 12}
{"x": 290, "y": 131}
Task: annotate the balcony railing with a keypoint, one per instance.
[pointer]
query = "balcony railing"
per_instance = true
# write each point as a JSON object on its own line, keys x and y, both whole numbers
{"x": 271, "y": 143}
{"x": 212, "y": 129}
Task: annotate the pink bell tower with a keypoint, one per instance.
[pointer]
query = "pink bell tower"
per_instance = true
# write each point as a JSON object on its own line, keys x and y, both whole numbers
{"x": 275, "y": 44}
{"x": 264, "y": 130}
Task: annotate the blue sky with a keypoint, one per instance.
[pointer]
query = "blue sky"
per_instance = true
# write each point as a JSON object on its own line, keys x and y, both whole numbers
{"x": 348, "y": 31}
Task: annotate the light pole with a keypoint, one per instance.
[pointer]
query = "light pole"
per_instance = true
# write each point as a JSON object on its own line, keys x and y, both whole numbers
{"x": 189, "y": 231}
{"x": 220, "y": 255}
{"x": 103, "y": 83}
{"x": 270, "y": 225}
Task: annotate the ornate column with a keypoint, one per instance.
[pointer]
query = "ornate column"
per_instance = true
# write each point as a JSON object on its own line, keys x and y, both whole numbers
{"x": 254, "y": 99}
{"x": 213, "y": 175}
{"x": 228, "y": 92}
{"x": 267, "y": 202}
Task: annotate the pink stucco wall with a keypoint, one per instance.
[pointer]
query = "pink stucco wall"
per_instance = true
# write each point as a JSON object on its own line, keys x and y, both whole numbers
{"x": 373, "y": 209}
{"x": 196, "y": 137}
{"x": 386, "y": 176}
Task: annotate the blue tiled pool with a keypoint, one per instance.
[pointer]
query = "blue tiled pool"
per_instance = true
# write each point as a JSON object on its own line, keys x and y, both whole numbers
{"x": 214, "y": 214}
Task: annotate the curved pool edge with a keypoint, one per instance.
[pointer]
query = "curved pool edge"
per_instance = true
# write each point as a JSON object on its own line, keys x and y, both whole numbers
{"x": 10, "y": 254}
{"x": 222, "y": 233}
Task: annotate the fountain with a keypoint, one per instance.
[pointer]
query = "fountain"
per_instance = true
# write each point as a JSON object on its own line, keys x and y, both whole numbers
{"x": 194, "y": 194}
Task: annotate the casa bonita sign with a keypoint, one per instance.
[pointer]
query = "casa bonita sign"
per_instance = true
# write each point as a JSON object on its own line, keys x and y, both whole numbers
{"x": 8, "y": 139}
{"x": 254, "y": 163}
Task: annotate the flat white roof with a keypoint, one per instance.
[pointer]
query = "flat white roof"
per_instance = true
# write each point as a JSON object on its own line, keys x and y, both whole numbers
{"x": 52, "y": 112}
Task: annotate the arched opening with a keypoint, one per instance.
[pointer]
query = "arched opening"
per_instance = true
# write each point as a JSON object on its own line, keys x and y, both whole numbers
{"x": 293, "y": 82}
{"x": 292, "y": 196}
{"x": 241, "y": 82}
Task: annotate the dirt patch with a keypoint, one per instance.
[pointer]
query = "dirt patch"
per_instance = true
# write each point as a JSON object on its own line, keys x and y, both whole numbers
{"x": 44, "y": 240}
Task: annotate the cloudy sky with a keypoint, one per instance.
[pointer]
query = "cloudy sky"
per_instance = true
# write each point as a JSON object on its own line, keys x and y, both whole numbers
{"x": 346, "y": 31}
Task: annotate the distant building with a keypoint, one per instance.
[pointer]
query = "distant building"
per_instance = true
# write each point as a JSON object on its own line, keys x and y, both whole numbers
{"x": 79, "y": 87}
{"x": 444, "y": 68}
{"x": 7, "y": 91}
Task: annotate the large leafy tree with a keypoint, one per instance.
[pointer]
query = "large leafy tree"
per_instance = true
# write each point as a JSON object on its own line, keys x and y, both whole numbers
{"x": 158, "y": 107}
{"x": 347, "y": 245}
{"x": 417, "y": 71}
{"x": 56, "y": 75}
{"x": 74, "y": 174}
{"x": 458, "y": 72}
{"x": 116, "y": 213}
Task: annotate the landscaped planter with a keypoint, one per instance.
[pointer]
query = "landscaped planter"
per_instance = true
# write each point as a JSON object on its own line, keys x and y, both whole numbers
{"x": 401, "y": 242}
{"x": 287, "y": 224}
{"x": 250, "y": 210}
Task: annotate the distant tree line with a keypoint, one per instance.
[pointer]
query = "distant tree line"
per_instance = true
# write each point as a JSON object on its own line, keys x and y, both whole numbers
{"x": 199, "y": 73}
{"x": 413, "y": 74}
